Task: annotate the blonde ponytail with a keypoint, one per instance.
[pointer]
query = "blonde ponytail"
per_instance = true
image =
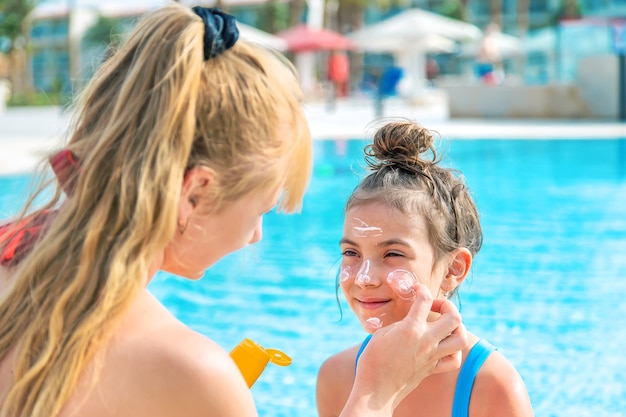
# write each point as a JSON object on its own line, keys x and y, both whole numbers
{"x": 155, "y": 109}
{"x": 137, "y": 116}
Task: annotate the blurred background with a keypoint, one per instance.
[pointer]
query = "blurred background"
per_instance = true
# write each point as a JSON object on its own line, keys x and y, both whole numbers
{"x": 469, "y": 58}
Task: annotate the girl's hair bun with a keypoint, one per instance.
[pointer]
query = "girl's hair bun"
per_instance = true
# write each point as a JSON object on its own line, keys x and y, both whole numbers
{"x": 402, "y": 144}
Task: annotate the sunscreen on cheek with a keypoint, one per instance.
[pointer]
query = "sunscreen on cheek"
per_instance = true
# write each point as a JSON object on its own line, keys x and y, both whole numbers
{"x": 345, "y": 273}
{"x": 401, "y": 282}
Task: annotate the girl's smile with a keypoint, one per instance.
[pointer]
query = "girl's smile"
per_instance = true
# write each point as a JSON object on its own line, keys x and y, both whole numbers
{"x": 383, "y": 253}
{"x": 373, "y": 303}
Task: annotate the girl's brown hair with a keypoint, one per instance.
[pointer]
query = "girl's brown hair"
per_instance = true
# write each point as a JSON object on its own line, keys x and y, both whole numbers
{"x": 407, "y": 175}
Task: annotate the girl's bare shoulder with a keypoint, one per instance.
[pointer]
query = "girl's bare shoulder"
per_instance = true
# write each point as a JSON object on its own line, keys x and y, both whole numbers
{"x": 342, "y": 362}
{"x": 499, "y": 390}
{"x": 334, "y": 382}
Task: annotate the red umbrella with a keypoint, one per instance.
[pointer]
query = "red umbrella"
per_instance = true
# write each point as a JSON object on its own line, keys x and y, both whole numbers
{"x": 302, "y": 38}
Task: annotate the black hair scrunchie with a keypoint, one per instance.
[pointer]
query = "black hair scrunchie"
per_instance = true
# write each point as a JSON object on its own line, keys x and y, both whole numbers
{"x": 220, "y": 30}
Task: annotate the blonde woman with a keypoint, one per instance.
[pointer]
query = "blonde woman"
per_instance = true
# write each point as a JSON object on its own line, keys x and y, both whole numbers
{"x": 182, "y": 141}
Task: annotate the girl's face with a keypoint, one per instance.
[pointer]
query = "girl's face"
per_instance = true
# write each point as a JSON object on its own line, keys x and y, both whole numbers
{"x": 384, "y": 250}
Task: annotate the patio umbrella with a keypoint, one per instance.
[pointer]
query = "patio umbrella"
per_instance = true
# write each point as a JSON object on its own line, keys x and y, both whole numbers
{"x": 304, "y": 41}
{"x": 428, "y": 43}
{"x": 410, "y": 35}
{"x": 413, "y": 25}
{"x": 253, "y": 34}
{"x": 302, "y": 38}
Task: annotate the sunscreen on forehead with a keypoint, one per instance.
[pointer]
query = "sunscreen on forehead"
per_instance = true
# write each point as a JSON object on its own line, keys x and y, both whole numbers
{"x": 362, "y": 229}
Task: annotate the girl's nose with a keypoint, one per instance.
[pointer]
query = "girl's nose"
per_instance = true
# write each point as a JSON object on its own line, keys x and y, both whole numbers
{"x": 364, "y": 276}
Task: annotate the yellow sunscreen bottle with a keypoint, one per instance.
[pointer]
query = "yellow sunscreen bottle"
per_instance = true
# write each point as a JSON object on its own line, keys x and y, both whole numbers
{"x": 251, "y": 359}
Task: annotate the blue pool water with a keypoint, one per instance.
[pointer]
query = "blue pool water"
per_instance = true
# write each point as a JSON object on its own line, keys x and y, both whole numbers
{"x": 547, "y": 288}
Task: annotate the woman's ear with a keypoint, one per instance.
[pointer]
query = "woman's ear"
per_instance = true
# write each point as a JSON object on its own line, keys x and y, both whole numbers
{"x": 197, "y": 186}
{"x": 460, "y": 264}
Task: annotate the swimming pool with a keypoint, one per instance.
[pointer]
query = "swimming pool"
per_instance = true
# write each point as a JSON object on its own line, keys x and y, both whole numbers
{"x": 547, "y": 287}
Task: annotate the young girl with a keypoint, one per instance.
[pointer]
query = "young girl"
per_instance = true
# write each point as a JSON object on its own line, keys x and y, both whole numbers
{"x": 181, "y": 142}
{"x": 413, "y": 220}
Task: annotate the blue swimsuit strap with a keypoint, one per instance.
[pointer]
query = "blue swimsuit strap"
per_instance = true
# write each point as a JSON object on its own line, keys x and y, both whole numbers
{"x": 358, "y": 355}
{"x": 477, "y": 356}
{"x": 465, "y": 381}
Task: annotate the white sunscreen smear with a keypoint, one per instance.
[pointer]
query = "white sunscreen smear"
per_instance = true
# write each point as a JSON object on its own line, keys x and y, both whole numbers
{"x": 345, "y": 273}
{"x": 363, "y": 276}
{"x": 362, "y": 229}
{"x": 401, "y": 282}
{"x": 373, "y": 323}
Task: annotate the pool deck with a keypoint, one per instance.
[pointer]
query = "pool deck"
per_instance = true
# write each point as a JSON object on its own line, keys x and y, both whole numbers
{"x": 27, "y": 134}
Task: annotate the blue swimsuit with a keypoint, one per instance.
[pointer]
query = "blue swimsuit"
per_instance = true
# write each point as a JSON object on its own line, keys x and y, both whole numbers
{"x": 481, "y": 350}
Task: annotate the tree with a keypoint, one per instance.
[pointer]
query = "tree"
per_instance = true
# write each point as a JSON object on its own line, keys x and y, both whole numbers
{"x": 495, "y": 12}
{"x": 13, "y": 14}
{"x": 272, "y": 16}
{"x": 568, "y": 10}
{"x": 107, "y": 33}
{"x": 454, "y": 9}
{"x": 12, "y": 17}
{"x": 351, "y": 13}
{"x": 296, "y": 10}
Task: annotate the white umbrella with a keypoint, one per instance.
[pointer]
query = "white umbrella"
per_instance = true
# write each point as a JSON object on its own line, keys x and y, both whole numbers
{"x": 253, "y": 34}
{"x": 428, "y": 43}
{"x": 411, "y": 34}
{"x": 413, "y": 25}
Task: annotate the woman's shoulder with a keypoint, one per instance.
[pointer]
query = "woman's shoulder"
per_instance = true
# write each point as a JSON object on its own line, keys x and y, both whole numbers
{"x": 499, "y": 389}
{"x": 156, "y": 366}
{"x": 180, "y": 363}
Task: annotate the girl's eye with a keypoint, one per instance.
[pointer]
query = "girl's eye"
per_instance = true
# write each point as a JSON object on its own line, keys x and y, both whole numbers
{"x": 393, "y": 254}
{"x": 348, "y": 252}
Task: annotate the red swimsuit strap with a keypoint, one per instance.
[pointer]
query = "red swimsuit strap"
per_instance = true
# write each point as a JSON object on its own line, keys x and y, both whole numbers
{"x": 66, "y": 167}
{"x": 18, "y": 238}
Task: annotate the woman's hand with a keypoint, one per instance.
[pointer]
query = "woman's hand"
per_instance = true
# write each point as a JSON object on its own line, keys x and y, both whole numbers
{"x": 401, "y": 355}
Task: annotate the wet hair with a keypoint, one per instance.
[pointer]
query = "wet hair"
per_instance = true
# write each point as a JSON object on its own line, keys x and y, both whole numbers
{"x": 155, "y": 109}
{"x": 406, "y": 174}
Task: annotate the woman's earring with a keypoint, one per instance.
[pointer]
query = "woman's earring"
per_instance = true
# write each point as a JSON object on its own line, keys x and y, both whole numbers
{"x": 182, "y": 227}
{"x": 446, "y": 294}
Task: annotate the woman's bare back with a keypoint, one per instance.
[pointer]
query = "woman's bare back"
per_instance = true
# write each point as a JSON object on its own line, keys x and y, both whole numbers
{"x": 153, "y": 365}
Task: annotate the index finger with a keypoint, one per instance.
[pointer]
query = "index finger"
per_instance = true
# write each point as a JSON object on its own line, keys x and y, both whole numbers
{"x": 421, "y": 304}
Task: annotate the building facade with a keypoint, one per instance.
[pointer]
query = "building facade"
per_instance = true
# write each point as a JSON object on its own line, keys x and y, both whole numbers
{"x": 61, "y": 58}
